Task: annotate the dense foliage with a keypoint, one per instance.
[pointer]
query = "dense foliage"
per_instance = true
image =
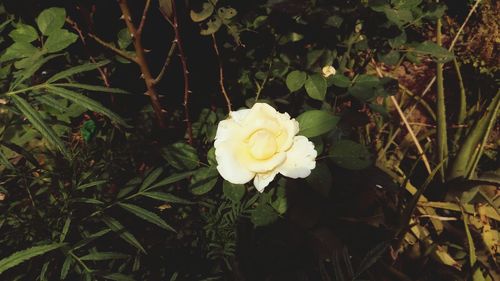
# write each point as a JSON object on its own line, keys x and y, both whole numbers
{"x": 109, "y": 111}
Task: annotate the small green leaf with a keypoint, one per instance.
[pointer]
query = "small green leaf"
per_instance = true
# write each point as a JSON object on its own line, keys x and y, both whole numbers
{"x": 24, "y": 33}
{"x": 263, "y": 215}
{"x": 58, "y": 40}
{"x": 165, "y": 197}
{"x": 146, "y": 215}
{"x": 66, "y": 266}
{"x": 340, "y": 80}
{"x": 350, "y": 155}
{"x": 51, "y": 20}
{"x": 316, "y": 122}
{"x": 92, "y": 88}
{"x": 204, "y": 180}
{"x": 316, "y": 87}
{"x": 151, "y": 178}
{"x": 100, "y": 256}
{"x": 390, "y": 58}
{"x": 206, "y": 11}
{"x": 117, "y": 227}
{"x": 18, "y": 50}
{"x": 439, "y": 53}
{"x": 118, "y": 277}
{"x": 65, "y": 229}
{"x": 233, "y": 191}
{"x": 212, "y": 25}
{"x": 24, "y": 255}
{"x": 171, "y": 179}
{"x": 226, "y": 13}
{"x": 124, "y": 38}
{"x": 76, "y": 70}
{"x": 88, "y": 130}
{"x": 181, "y": 156}
{"x": 295, "y": 80}
{"x": 39, "y": 124}
{"x": 91, "y": 184}
{"x": 86, "y": 102}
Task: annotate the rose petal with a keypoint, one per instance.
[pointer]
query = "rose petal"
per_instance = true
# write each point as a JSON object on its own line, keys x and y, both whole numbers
{"x": 300, "y": 159}
{"x": 261, "y": 166}
{"x": 262, "y": 180}
{"x": 229, "y": 165}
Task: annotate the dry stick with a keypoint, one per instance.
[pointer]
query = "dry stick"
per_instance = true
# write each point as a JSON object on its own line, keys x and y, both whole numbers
{"x": 185, "y": 71}
{"x": 442, "y": 136}
{"x": 452, "y": 45}
{"x": 407, "y": 125}
{"x": 110, "y": 46}
{"x": 166, "y": 63}
{"x": 221, "y": 75}
{"x": 136, "y": 35}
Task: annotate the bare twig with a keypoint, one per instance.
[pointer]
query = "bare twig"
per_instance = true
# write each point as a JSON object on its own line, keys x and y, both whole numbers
{"x": 442, "y": 134}
{"x": 185, "y": 72}
{"x": 110, "y": 46}
{"x": 407, "y": 125}
{"x": 166, "y": 63}
{"x": 143, "y": 18}
{"x": 136, "y": 35}
{"x": 221, "y": 75}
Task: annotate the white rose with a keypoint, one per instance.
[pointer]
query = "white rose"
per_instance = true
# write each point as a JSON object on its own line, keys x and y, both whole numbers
{"x": 259, "y": 143}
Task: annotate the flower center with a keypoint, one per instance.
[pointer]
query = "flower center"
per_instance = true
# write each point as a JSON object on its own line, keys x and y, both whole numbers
{"x": 262, "y": 144}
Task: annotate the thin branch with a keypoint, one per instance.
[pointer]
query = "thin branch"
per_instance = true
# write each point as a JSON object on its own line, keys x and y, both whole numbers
{"x": 142, "y": 62}
{"x": 166, "y": 63}
{"x": 442, "y": 134}
{"x": 221, "y": 75}
{"x": 110, "y": 46}
{"x": 407, "y": 125}
{"x": 143, "y": 18}
{"x": 185, "y": 72}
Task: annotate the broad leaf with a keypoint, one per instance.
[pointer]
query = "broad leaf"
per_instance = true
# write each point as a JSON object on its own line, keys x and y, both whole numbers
{"x": 233, "y": 191}
{"x": 350, "y": 155}
{"x": 204, "y": 180}
{"x": 316, "y": 87}
{"x": 316, "y": 122}
{"x": 51, "y": 20}
{"x": 59, "y": 40}
{"x": 295, "y": 80}
{"x": 24, "y": 33}
{"x": 181, "y": 156}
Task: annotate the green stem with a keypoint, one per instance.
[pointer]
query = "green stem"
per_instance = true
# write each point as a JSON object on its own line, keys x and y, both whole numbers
{"x": 462, "y": 112}
{"x": 441, "y": 110}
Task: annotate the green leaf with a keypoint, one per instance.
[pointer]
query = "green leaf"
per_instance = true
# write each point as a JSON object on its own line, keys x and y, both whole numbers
{"x": 5, "y": 161}
{"x": 86, "y": 102}
{"x": 316, "y": 87}
{"x": 171, "y": 179}
{"x": 212, "y": 25}
{"x": 124, "y": 38}
{"x": 92, "y": 88}
{"x": 51, "y": 20}
{"x": 340, "y": 80}
{"x": 295, "y": 80}
{"x": 66, "y": 266}
{"x": 117, "y": 227}
{"x": 316, "y": 122}
{"x": 439, "y": 53}
{"x": 88, "y": 239}
{"x": 31, "y": 69}
{"x": 364, "y": 87}
{"x": 76, "y": 70}
{"x": 206, "y": 11}
{"x": 18, "y": 50}
{"x": 65, "y": 229}
{"x": 398, "y": 17}
{"x": 226, "y": 13}
{"x": 320, "y": 179}
{"x": 146, "y": 215}
{"x": 313, "y": 56}
{"x": 91, "y": 184}
{"x": 350, "y": 155}
{"x": 59, "y": 40}
{"x": 233, "y": 191}
{"x": 24, "y": 33}
{"x": 39, "y": 124}
{"x": 263, "y": 215}
{"x": 88, "y": 130}
{"x": 151, "y": 178}
{"x": 118, "y": 277}
{"x": 24, "y": 255}
{"x": 181, "y": 156}
{"x": 165, "y": 197}
{"x": 390, "y": 58}
{"x": 204, "y": 180}
{"x": 100, "y": 256}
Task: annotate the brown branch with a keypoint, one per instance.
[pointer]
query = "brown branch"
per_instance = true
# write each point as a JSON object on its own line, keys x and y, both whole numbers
{"x": 141, "y": 61}
{"x": 221, "y": 75}
{"x": 110, "y": 46}
{"x": 185, "y": 71}
{"x": 143, "y": 18}
{"x": 102, "y": 71}
{"x": 166, "y": 63}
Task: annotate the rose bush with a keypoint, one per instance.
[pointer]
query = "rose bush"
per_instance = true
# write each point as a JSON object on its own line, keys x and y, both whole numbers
{"x": 259, "y": 143}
